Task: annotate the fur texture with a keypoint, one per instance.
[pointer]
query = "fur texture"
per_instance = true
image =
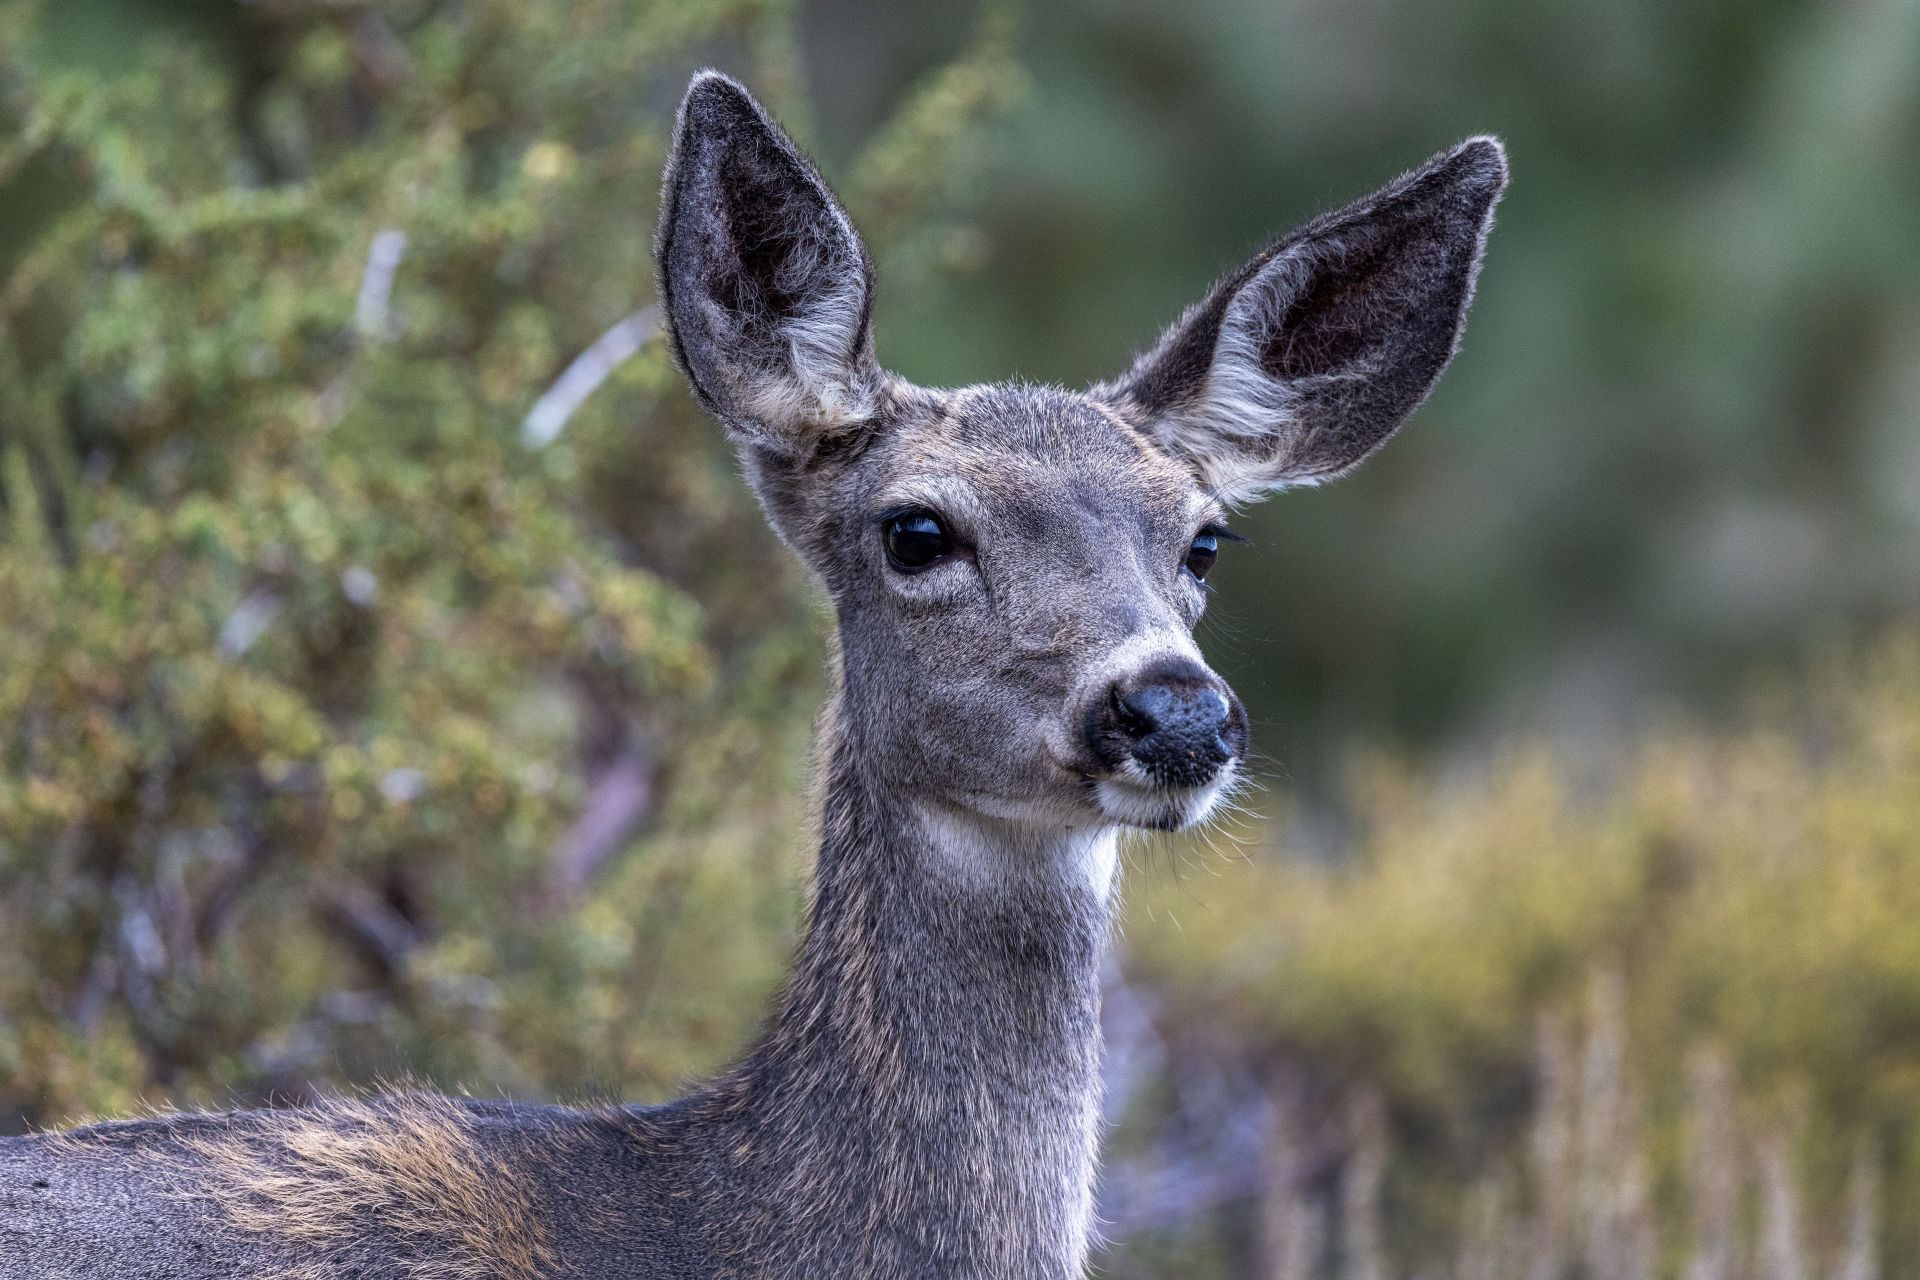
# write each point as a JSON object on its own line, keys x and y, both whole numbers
{"x": 405, "y": 1184}
{"x": 401, "y": 1167}
{"x": 925, "y": 1100}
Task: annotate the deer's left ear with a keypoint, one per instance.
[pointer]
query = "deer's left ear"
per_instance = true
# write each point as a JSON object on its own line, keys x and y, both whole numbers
{"x": 1304, "y": 361}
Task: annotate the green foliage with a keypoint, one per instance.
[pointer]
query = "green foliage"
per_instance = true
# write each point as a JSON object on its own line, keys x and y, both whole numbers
{"x": 314, "y": 679}
{"x": 1746, "y": 895}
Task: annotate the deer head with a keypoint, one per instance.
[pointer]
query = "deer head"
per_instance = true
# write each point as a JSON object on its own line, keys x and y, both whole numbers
{"x": 1017, "y": 570}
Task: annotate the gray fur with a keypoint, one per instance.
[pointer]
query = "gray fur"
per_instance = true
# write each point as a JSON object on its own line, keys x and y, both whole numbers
{"x": 924, "y": 1101}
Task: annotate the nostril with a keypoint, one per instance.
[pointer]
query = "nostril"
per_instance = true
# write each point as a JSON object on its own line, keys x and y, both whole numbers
{"x": 1141, "y": 711}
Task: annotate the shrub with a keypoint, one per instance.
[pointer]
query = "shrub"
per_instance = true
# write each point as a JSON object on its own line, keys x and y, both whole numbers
{"x": 354, "y": 718}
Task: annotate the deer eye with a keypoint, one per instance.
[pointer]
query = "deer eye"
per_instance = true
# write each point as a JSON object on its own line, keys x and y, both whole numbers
{"x": 916, "y": 540}
{"x": 1203, "y": 552}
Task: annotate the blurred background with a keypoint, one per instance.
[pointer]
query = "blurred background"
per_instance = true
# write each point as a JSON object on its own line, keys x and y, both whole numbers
{"x": 370, "y": 706}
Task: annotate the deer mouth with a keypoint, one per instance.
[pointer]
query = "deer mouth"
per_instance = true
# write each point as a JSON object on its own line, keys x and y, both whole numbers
{"x": 1133, "y": 797}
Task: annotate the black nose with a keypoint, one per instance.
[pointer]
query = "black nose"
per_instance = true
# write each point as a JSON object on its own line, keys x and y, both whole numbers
{"x": 1176, "y": 721}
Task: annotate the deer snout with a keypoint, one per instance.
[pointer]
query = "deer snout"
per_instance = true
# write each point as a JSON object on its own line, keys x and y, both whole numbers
{"x": 1176, "y": 721}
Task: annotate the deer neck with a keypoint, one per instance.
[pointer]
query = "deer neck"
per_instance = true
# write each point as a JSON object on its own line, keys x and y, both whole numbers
{"x": 932, "y": 1070}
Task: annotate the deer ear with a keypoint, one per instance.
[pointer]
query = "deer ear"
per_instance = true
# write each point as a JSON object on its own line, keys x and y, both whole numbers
{"x": 766, "y": 288}
{"x": 1306, "y": 359}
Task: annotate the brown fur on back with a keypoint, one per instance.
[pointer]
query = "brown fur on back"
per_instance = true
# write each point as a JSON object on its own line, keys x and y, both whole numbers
{"x": 406, "y": 1167}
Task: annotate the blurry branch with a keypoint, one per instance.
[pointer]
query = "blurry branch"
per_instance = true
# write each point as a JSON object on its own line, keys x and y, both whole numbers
{"x": 1859, "y": 1259}
{"x": 617, "y": 799}
{"x": 1361, "y": 1232}
{"x": 370, "y": 311}
{"x": 17, "y": 20}
{"x": 620, "y": 791}
{"x": 1713, "y": 1164}
{"x": 17, "y": 150}
{"x": 248, "y": 856}
{"x": 49, "y": 255}
{"x": 373, "y": 926}
{"x": 1613, "y": 1166}
{"x": 379, "y": 54}
{"x": 1290, "y": 1228}
{"x": 589, "y": 369}
{"x": 142, "y": 966}
{"x": 1782, "y": 1253}
{"x": 26, "y": 524}
{"x": 250, "y": 618}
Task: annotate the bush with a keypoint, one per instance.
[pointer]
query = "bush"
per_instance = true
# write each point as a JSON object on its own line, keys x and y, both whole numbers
{"x": 350, "y": 723}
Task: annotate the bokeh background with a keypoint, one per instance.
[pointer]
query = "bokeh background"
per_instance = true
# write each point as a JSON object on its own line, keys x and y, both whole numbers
{"x": 350, "y": 728}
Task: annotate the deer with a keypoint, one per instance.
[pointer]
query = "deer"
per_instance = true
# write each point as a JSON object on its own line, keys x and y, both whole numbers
{"x": 1015, "y": 573}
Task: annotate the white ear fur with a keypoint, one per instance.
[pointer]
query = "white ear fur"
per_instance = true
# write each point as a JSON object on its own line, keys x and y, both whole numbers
{"x": 1241, "y": 412}
{"x": 827, "y": 386}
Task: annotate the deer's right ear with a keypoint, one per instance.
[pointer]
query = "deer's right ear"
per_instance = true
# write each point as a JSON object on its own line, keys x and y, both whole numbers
{"x": 1311, "y": 355}
{"x": 766, "y": 288}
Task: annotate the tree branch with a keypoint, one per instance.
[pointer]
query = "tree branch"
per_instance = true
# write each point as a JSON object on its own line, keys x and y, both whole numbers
{"x": 589, "y": 369}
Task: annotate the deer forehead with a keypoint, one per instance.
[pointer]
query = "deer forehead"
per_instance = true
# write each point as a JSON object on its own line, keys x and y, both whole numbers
{"x": 1013, "y": 462}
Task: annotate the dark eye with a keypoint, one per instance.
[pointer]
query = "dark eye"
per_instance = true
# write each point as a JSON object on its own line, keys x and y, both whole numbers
{"x": 1201, "y": 555}
{"x": 915, "y": 540}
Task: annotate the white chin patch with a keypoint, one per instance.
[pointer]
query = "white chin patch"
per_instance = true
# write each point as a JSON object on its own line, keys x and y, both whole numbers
{"x": 1158, "y": 808}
